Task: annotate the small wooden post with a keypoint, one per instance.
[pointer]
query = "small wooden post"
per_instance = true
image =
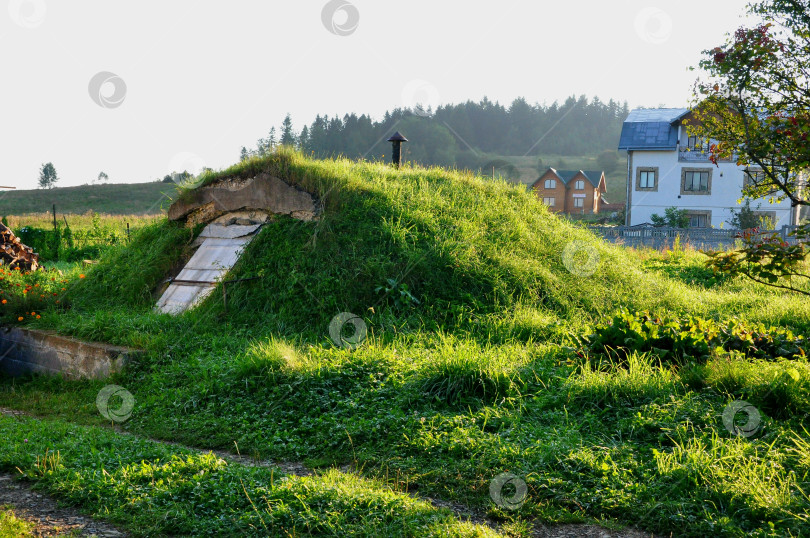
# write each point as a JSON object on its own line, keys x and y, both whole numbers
{"x": 55, "y": 236}
{"x": 396, "y": 154}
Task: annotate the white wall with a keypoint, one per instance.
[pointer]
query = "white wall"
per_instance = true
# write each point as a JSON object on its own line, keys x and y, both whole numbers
{"x": 726, "y": 189}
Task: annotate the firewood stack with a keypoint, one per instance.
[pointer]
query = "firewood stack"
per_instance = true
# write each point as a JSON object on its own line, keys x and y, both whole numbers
{"x": 14, "y": 254}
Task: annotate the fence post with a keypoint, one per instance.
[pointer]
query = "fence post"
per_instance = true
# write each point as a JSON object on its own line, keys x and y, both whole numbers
{"x": 55, "y": 236}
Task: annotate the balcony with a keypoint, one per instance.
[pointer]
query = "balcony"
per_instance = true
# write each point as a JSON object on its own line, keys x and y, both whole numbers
{"x": 699, "y": 155}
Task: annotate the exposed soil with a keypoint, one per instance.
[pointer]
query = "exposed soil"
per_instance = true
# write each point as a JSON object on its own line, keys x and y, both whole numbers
{"x": 47, "y": 517}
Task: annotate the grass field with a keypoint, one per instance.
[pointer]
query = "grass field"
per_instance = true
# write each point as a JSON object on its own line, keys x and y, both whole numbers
{"x": 113, "y": 199}
{"x": 476, "y": 301}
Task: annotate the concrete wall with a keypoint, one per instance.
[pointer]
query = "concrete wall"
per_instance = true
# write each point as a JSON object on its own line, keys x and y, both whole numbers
{"x": 25, "y": 351}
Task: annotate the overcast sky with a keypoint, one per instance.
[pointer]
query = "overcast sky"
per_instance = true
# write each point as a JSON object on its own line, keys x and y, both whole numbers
{"x": 138, "y": 89}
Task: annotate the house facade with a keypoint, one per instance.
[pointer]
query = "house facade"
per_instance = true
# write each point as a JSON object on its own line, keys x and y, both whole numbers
{"x": 571, "y": 191}
{"x": 666, "y": 167}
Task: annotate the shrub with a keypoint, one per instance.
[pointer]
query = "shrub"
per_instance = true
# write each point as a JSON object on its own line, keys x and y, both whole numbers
{"x": 690, "y": 337}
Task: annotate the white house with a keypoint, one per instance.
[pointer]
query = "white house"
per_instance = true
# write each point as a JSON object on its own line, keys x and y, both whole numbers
{"x": 668, "y": 168}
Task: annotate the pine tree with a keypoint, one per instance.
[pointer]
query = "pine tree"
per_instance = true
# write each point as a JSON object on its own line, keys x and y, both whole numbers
{"x": 303, "y": 139}
{"x": 287, "y": 133}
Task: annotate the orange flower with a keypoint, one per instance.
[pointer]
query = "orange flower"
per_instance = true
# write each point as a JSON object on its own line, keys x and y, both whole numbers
{"x": 81, "y": 276}
{"x": 38, "y": 316}
{"x": 63, "y": 289}
{"x": 4, "y": 301}
{"x": 20, "y": 318}
{"x": 33, "y": 313}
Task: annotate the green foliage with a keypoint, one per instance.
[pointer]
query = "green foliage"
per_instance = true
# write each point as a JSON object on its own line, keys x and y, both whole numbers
{"x": 608, "y": 161}
{"x": 47, "y": 176}
{"x": 127, "y": 274}
{"x": 746, "y": 218}
{"x": 673, "y": 217}
{"x": 458, "y": 134}
{"x": 155, "y": 489}
{"x": 691, "y": 338}
{"x": 501, "y": 167}
{"x": 468, "y": 375}
{"x": 396, "y": 293}
{"x": 12, "y": 527}
{"x": 769, "y": 260}
{"x": 110, "y": 199}
{"x": 25, "y": 296}
{"x": 541, "y": 167}
{"x": 67, "y": 244}
{"x": 443, "y": 395}
{"x": 690, "y": 270}
{"x": 754, "y": 102}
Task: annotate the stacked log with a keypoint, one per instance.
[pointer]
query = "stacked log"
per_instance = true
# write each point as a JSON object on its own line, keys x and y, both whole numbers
{"x": 15, "y": 254}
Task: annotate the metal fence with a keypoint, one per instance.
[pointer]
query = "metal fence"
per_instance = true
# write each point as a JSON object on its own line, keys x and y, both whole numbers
{"x": 665, "y": 237}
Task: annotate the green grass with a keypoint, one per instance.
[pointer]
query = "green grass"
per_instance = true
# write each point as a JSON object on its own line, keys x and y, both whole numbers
{"x": 11, "y": 526}
{"x": 159, "y": 490}
{"x": 474, "y": 378}
{"x": 113, "y": 199}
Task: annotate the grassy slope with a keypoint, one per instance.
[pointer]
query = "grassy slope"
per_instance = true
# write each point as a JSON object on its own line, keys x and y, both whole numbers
{"x": 470, "y": 382}
{"x": 114, "y": 199}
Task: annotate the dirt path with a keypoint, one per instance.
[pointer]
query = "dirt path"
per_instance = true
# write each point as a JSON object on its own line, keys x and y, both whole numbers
{"x": 47, "y": 517}
{"x": 463, "y": 513}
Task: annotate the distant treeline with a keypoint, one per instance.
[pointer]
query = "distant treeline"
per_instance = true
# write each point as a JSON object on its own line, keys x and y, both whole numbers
{"x": 465, "y": 135}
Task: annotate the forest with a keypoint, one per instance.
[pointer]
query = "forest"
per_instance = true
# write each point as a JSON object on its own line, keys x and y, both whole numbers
{"x": 465, "y": 135}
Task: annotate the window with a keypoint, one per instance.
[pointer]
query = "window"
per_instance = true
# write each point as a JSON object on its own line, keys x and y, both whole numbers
{"x": 697, "y": 221}
{"x": 551, "y": 184}
{"x": 694, "y": 143}
{"x": 579, "y": 185}
{"x": 579, "y": 202}
{"x": 647, "y": 179}
{"x": 756, "y": 177}
{"x": 700, "y": 219}
{"x": 696, "y": 181}
{"x": 549, "y": 201}
{"x": 767, "y": 219}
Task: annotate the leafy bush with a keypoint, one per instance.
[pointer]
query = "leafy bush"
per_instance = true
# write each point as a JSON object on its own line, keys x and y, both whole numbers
{"x": 690, "y": 338}
{"x": 673, "y": 217}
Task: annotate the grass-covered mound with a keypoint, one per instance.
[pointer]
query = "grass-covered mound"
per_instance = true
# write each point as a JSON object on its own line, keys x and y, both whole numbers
{"x": 468, "y": 293}
{"x": 421, "y": 248}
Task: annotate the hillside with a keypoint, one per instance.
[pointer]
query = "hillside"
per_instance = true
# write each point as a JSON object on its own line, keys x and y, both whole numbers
{"x": 112, "y": 199}
{"x": 475, "y": 300}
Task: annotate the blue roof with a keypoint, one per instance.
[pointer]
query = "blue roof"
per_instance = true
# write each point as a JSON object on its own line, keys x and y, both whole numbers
{"x": 654, "y": 128}
{"x": 644, "y": 115}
